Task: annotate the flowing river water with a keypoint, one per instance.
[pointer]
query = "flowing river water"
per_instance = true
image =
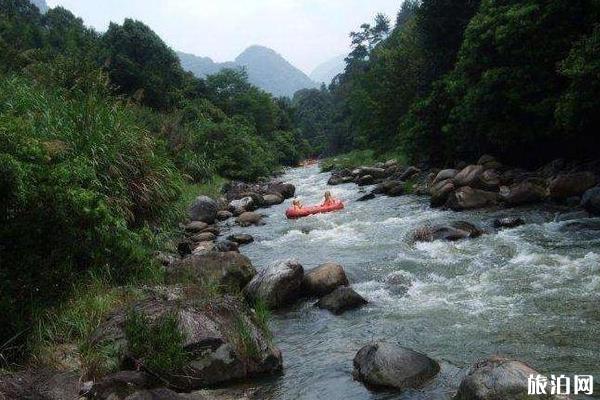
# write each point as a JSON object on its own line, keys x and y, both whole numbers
{"x": 531, "y": 293}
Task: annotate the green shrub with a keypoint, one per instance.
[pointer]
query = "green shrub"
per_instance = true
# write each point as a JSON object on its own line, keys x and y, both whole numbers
{"x": 157, "y": 344}
{"x": 79, "y": 180}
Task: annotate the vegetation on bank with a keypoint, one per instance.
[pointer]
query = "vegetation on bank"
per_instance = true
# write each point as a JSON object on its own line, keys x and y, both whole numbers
{"x": 104, "y": 140}
{"x": 452, "y": 80}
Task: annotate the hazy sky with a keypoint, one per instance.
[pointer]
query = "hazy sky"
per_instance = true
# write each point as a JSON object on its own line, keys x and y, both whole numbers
{"x": 306, "y": 32}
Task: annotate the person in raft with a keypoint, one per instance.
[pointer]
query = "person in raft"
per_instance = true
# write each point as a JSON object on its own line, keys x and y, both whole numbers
{"x": 297, "y": 204}
{"x": 329, "y": 200}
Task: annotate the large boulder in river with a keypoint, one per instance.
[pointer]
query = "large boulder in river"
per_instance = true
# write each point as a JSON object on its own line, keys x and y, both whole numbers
{"x": 508, "y": 222}
{"x": 457, "y": 230}
{"x": 445, "y": 174}
{"x": 440, "y": 192}
{"x": 324, "y": 279}
{"x": 376, "y": 173}
{"x": 272, "y": 199}
{"x": 498, "y": 378}
{"x": 467, "y": 198}
{"x": 222, "y": 338}
{"x": 365, "y": 180}
{"x": 241, "y": 238}
{"x": 528, "y": 191}
{"x": 228, "y": 270}
{"x": 591, "y": 200}
{"x": 249, "y": 218}
{"x": 342, "y": 299}
{"x": 469, "y": 176}
{"x": 409, "y": 173}
{"x": 242, "y": 205}
{"x": 277, "y": 285}
{"x": 389, "y": 365}
{"x": 568, "y": 185}
{"x": 285, "y": 190}
{"x": 203, "y": 209}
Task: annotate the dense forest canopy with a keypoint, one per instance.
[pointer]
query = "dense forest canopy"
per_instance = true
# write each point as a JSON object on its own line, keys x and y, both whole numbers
{"x": 455, "y": 79}
{"x": 101, "y": 136}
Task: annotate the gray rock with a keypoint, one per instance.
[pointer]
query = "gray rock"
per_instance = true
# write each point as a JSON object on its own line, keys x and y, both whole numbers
{"x": 272, "y": 199}
{"x": 409, "y": 173}
{"x": 469, "y": 176}
{"x": 324, "y": 279}
{"x": 365, "y": 180}
{"x": 249, "y": 218}
{"x": 242, "y": 205}
{"x": 455, "y": 231}
{"x": 372, "y": 171}
{"x": 120, "y": 385}
{"x": 203, "y": 209}
{"x": 241, "y": 238}
{"x": 508, "y": 222}
{"x": 211, "y": 330}
{"x": 225, "y": 246}
{"x": 368, "y": 196}
{"x": 203, "y": 237}
{"x": 591, "y": 200}
{"x": 277, "y": 285}
{"x": 286, "y": 190}
{"x": 440, "y": 192}
{"x": 230, "y": 271}
{"x": 342, "y": 299}
{"x": 445, "y": 174}
{"x": 389, "y": 365}
{"x": 497, "y": 378}
{"x": 467, "y": 198}
{"x": 196, "y": 226}
{"x": 567, "y": 185}
{"x": 224, "y": 215}
{"x": 525, "y": 192}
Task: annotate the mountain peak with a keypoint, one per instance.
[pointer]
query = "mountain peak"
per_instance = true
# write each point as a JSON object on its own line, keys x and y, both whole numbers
{"x": 266, "y": 69}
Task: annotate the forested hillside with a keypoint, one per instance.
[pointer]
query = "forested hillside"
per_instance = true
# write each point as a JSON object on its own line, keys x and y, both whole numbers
{"x": 101, "y": 138}
{"x": 266, "y": 69}
{"x": 451, "y": 80}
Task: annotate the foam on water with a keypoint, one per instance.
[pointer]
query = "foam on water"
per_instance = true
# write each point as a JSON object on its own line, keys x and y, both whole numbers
{"x": 530, "y": 292}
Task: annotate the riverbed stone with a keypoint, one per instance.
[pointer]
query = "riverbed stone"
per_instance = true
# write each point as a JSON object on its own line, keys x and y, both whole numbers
{"x": 365, "y": 180}
{"x": 272, "y": 199}
{"x": 229, "y": 270}
{"x": 468, "y": 176}
{"x": 241, "y": 238}
{"x": 324, "y": 279}
{"x": 203, "y": 209}
{"x": 591, "y": 200}
{"x": 567, "y": 185}
{"x": 342, "y": 299}
{"x": 225, "y": 246}
{"x": 211, "y": 337}
{"x": 457, "y": 230}
{"x": 508, "y": 222}
{"x": 366, "y": 197}
{"x": 525, "y": 192}
{"x": 445, "y": 174}
{"x": 196, "y": 226}
{"x": 240, "y": 206}
{"x": 203, "y": 237}
{"x": 286, "y": 190}
{"x": 277, "y": 285}
{"x": 383, "y": 364}
{"x": 249, "y": 218}
{"x": 497, "y": 378}
{"x": 440, "y": 192}
{"x": 120, "y": 385}
{"x": 224, "y": 215}
{"x": 467, "y": 198}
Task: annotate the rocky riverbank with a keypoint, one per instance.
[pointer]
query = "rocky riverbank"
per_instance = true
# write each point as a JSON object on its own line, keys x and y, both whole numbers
{"x": 219, "y": 301}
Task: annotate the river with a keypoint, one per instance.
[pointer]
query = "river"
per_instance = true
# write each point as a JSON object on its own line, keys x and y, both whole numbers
{"x": 531, "y": 293}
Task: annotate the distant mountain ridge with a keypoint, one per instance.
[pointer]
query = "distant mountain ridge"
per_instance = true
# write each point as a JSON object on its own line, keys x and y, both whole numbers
{"x": 41, "y": 5}
{"x": 325, "y": 72}
{"x": 266, "y": 69}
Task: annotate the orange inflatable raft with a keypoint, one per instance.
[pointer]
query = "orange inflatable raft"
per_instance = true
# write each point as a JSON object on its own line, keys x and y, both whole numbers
{"x": 293, "y": 213}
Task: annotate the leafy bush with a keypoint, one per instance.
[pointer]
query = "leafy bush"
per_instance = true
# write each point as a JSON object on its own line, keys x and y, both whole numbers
{"x": 79, "y": 178}
{"x": 157, "y": 344}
